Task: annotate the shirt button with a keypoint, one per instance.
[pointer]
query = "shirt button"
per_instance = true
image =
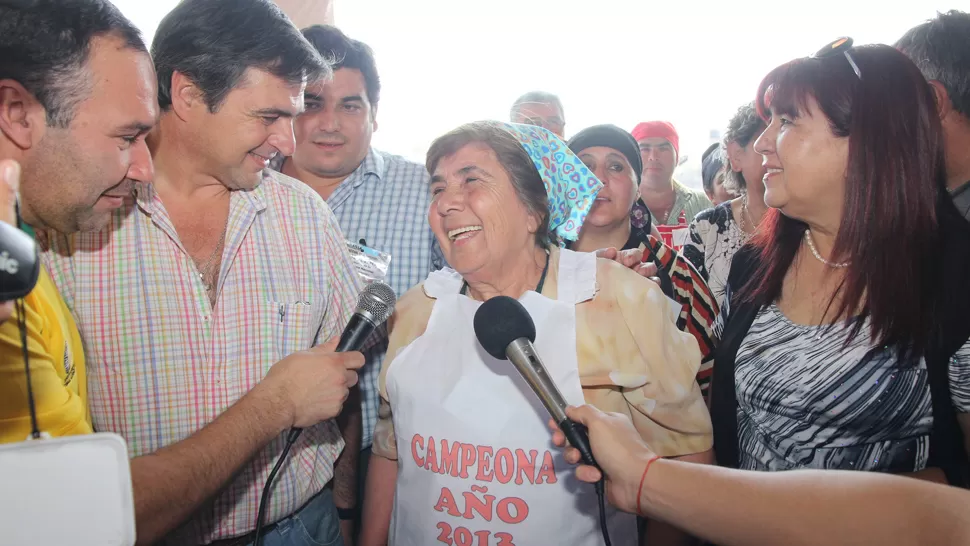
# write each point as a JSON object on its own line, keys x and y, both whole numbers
{"x": 205, "y": 318}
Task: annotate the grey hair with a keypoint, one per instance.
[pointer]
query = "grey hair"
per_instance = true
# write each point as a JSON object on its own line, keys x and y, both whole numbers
{"x": 522, "y": 172}
{"x": 744, "y": 127}
{"x": 940, "y": 48}
{"x": 536, "y": 96}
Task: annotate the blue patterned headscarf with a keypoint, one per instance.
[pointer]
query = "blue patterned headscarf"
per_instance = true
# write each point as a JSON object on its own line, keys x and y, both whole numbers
{"x": 570, "y": 186}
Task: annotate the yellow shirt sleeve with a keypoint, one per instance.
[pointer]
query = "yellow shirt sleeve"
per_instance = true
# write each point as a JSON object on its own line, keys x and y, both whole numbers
{"x": 633, "y": 360}
{"x": 56, "y": 369}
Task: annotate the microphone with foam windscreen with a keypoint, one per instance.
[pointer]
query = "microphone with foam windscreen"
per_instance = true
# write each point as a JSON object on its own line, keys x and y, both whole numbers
{"x": 507, "y": 332}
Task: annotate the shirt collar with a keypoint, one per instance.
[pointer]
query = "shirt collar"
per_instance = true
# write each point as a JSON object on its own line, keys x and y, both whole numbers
{"x": 145, "y": 195}
{"x": 373, "y": 163}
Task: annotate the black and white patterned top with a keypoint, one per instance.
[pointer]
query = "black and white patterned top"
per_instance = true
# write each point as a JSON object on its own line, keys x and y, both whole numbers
{"x": 714, "y": 239}
{"x": 807, "y": 400}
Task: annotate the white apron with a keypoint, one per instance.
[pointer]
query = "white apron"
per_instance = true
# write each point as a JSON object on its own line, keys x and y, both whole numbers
{"x": 476, "y": 462}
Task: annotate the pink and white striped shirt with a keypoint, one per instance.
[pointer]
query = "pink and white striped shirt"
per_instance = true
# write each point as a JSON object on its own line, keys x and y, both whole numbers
{"x": 163, "y": 363}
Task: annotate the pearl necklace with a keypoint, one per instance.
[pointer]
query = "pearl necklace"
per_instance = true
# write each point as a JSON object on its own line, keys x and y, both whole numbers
{"x": 811, "y": 245}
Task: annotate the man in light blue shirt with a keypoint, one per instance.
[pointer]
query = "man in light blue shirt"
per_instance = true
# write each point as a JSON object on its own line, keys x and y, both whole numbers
{"x": 380, "y": 200}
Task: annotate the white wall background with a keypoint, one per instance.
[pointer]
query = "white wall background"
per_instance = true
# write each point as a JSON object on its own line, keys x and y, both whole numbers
{"x": 446, "y": 62}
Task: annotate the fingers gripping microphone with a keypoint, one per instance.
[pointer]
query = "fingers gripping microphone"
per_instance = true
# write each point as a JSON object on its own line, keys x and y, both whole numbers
{"x": 506, "y": 331}
{"x": 374, "y": 306}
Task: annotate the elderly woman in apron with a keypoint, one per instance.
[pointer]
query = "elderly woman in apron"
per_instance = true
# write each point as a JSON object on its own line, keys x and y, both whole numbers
{"x": 463, "y": 455}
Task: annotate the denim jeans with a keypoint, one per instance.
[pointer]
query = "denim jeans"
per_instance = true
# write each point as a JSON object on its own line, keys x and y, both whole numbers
{"x": 316, "y": 524}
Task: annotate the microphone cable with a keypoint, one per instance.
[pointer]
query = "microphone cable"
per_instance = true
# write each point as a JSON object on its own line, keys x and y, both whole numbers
{"x": 21, "y": 309}
{"x": 374, "y": 306}
{"x": 601, "y": 497}
{"x": 264, "y": 498}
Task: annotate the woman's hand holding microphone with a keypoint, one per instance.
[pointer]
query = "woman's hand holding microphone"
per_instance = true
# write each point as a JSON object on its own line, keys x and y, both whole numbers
{"x": 618, "y": 450}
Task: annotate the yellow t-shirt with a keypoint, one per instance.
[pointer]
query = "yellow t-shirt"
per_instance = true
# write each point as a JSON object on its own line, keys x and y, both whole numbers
{"x": 56, "y": 369}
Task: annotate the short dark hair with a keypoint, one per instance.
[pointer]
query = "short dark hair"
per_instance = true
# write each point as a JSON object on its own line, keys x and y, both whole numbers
{"x": 940, "y": 48}
{"x": 711, "y": 163}
{"x": 214, "y": 42}
{"x": 745, "y": 126}
{"x": 894, "y": 177}
{"x": 528, "y": 185}
{"x": 45, "y": 48}
{"x": 344, "y": 52}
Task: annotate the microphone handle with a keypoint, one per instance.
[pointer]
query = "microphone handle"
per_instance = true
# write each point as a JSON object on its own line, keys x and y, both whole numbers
{"x": 356, "y": 332}
{"x": 352, "y": 339}
{"x": 578, "y": 437}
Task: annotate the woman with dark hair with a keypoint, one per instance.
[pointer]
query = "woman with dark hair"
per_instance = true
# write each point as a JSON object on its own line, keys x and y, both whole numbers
{"x": 461, "y": 448}
{"x": 717, "y": 234}
{"x": 844, "y": 322}
{"x": 712, "y": 175}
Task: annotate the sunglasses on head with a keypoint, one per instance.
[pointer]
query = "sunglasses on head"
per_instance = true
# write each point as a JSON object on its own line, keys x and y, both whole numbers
{"x": 840, "y": 46}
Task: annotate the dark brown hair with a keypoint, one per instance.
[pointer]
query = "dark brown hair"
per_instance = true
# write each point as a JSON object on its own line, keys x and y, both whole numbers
{"x": 518, "y": 166}
{"x": 894, "y": 177}
{"x": 744, "y": 127}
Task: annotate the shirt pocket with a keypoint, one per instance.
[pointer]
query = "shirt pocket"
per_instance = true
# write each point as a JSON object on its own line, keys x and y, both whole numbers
{"x": 298, "y": 325}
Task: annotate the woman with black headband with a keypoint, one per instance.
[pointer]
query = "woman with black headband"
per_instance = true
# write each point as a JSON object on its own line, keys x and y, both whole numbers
{"x": 613, "y": 155}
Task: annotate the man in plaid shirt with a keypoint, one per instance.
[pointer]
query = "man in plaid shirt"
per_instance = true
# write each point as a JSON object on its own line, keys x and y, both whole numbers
{"x": 380, "y": 200}
{"x": 214, "y": 271}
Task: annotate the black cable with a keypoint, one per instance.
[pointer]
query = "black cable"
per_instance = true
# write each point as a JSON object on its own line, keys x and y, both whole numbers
{"x": 264, "y": 498}
{"x": 22, "y": 323}
{"x": 601, "y": 496}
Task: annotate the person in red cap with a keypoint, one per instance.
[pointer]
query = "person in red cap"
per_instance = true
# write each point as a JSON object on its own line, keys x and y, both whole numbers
{"x": 670, "y": 202}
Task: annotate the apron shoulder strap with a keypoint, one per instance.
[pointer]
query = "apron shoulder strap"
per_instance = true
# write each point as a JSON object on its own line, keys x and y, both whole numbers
{"x": 443, "y": 282}
{"x": 577, "y": 276}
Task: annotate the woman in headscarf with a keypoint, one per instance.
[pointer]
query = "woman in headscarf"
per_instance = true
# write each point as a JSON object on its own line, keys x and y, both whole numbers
{"x": 613, "y": 156}
{"x": 462, "y": 453}
{"x": 717, "y": 234}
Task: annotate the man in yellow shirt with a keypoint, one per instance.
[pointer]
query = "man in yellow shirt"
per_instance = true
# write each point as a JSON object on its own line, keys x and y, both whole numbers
{"x": 77, "y": 99}
{"x": 57, "y": 369}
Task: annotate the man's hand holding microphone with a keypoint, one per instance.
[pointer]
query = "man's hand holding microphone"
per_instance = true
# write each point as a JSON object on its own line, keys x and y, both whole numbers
{"x": 311, "y": 386}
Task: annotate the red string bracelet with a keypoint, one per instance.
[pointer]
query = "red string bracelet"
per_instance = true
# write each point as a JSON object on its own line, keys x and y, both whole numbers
{"x": 643, "y": 479}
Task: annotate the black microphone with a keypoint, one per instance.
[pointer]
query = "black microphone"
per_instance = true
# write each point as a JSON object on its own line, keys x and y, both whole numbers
{"x": 506, "y": 331}
{"x": 374, "y": 306}
{"x": 19, "y": 263}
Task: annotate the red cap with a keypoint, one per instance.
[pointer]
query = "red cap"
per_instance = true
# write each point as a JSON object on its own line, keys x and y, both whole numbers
{"x": 659, "y": 129}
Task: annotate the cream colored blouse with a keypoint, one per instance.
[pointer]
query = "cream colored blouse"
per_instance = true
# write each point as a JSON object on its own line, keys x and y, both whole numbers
{"x": 632, "y": 359}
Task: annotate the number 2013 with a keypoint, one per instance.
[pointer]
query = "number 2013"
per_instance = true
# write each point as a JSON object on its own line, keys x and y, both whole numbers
{"x": 460, "y": 536}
